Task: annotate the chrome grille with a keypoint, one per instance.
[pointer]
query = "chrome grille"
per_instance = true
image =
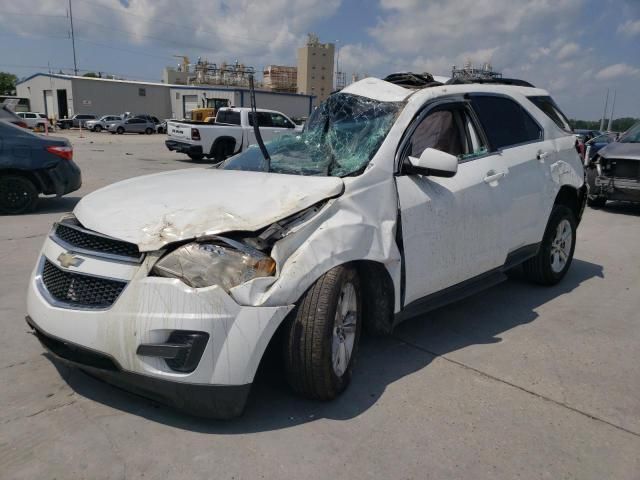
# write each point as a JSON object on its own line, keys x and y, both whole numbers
{"x": 79, "y": 290}
{"x": 74, "y": 237}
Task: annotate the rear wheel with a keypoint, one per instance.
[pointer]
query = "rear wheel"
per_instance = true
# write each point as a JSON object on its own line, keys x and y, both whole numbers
{"x": 220, "y": 151}
{"x": 17, "y": 194}
{"x": 322, "y": 335}
{"x": 119, "y": 130}
{"x": 554, "y": 258}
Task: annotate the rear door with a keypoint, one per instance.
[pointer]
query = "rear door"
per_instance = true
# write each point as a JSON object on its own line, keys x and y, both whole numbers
{"x": 518, "y": 140}
{"x": 452, "y": 228}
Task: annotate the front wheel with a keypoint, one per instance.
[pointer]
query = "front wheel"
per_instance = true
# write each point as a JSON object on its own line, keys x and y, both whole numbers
{"x": 596, "y": 201}
{"x": 554, "y": 257}
{"x": 322, "y": 335}
{"x": 149, "y": 131}
{"x": 97, "y": 128}
{"x": 195, "y": 157}
{"x": 120, "y": 130}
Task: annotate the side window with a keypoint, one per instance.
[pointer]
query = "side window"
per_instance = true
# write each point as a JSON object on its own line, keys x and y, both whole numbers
{"x": 30, "y": 115}
{"x": 439, "y": 130}
{"x": 228, "y": 116}
{"x": 504, "y": 121}
{"x": 264, "y": 119}
{"x": 551, "y": 110}
{"x": 278, "y": 120}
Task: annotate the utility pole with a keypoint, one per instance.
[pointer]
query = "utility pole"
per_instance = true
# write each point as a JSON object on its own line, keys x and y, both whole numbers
{"x": 613, "y": 105}
{"x": 606, "y": 104}
{"x": 73, "y": 40}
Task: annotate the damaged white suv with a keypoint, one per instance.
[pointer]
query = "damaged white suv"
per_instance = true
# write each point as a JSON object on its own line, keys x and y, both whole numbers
{"x": 392, "y": 202}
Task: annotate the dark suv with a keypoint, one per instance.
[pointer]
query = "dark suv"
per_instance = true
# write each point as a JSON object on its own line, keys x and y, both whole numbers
{"x": 31, "y": 164}
{"x": 76, "y": 121}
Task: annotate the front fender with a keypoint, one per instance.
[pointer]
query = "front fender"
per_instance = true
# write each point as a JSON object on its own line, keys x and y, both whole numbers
{"x": 359, "y": 225}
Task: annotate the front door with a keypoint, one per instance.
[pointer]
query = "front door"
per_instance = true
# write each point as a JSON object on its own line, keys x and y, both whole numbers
{"x": 452, "y": 228}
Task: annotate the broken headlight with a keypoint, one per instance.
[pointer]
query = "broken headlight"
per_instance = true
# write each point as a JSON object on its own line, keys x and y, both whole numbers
{"x": 219, "y": 261}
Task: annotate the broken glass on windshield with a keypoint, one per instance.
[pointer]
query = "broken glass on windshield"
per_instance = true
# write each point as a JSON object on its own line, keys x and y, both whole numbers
{"x": 340, "y": 138}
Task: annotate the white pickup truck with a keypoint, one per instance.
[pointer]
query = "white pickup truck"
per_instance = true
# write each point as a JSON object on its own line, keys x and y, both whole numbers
{"x": 231, "y": 133}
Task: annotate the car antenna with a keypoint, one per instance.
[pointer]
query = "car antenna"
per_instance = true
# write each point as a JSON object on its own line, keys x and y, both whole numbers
{"x": 256, "y": 129}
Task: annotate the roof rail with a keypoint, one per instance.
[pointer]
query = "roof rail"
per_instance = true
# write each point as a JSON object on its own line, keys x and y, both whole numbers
{"x": 491, "y": 81}
{"x": 412, "y": 80}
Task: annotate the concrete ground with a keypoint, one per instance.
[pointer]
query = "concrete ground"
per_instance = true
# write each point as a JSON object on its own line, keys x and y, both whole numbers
{"x": 518, "y": 381}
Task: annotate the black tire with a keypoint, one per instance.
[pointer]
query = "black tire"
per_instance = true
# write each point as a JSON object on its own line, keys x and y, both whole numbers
{"x": 309, "y": 335}
{"x": 40, "y": 127}
{"x": 219, "y": 152}
{"x": 17, "y": 194}
{"x": 539, "y": 268}
{"x": 596, "y": 201}
{"x": 97, "y": 128}
{"x": 149, "y": 131}
{"x": 195, "y": 157}
{"x": 119, "y": 130}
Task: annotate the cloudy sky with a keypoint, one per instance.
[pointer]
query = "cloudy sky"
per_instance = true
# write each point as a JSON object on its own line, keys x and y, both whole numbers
{"x": 576, "y": 49}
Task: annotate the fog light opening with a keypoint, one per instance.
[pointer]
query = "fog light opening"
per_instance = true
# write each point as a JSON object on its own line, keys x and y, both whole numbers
{"x": 181, "y": 352}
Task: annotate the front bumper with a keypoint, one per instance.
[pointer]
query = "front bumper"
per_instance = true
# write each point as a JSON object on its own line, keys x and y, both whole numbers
{"x": 146, "y": 312}
{"x": 614, "y": 188}
{"x": 183, "y": 147}
{"x": 210, "y": 401}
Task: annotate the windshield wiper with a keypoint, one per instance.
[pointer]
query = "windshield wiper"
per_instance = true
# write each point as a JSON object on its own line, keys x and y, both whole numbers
{"x": 256, "y": 129}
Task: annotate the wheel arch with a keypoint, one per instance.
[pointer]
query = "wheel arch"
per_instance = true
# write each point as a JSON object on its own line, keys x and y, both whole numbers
{"x": 224, "y": 140}
{"x": 573, "y": 198}
{"x": 29, "y": 175}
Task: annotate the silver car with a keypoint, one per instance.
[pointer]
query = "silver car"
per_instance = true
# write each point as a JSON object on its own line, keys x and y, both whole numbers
{"x": 132, "y": 125}
{"x": 614, "y": 172}
{"x": 102, "y": 123}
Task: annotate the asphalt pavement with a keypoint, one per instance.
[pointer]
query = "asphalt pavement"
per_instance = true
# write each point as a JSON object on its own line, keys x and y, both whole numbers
{"x": 518, "y": 381}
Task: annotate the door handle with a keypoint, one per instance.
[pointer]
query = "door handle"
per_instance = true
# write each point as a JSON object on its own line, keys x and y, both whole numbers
{"x": 542, "y": 155}
{"x": 491, "y": 176}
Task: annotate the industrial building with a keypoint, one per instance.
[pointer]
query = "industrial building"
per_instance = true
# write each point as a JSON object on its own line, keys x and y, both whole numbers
{"x": 60, "y": 96}
{"x": 280, "y": 78}
{"x": 315, "y": 69}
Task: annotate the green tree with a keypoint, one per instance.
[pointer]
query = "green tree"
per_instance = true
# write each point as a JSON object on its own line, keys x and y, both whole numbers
{"x": 91, "y": 75}
{"x": 7, "y": 83}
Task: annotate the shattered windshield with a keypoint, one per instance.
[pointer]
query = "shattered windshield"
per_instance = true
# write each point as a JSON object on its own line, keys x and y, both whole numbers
{"x": 632, "y": 135}
{"x": 340, "y": 138}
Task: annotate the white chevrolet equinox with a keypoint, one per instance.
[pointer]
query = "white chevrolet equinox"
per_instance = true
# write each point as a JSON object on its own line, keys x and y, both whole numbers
{"x": 393, "y": 201}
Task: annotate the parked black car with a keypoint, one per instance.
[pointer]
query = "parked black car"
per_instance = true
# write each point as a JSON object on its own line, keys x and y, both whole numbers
{"x": 32, "y": 164}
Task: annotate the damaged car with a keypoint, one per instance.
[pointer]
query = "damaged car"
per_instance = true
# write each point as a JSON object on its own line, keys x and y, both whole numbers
{"x": 392, "y": 202}
{"x": 614, "y": 171}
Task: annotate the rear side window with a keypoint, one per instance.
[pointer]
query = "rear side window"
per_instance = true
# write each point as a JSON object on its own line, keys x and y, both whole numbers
{"x": 504, "y": 121}
{"x": 264, "y": 119}
{"x": 228, "y": 116}
{"x": 551, "y": 110}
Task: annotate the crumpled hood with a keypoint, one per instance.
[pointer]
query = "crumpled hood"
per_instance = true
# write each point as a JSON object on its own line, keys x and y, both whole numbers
{"x": 629, "y": 151}
{"x": 154, "y": 210}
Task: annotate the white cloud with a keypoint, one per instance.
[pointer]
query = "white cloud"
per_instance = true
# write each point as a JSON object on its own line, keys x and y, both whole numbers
{"x": 567, "y": 50}
{"x": 617, "y": 70}
{"x": 252, "y": 31}
{"x": 630, "y": 28}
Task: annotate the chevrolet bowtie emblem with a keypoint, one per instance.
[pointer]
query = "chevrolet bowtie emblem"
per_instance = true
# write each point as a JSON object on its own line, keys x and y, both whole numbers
{"x": 67, "y": 260}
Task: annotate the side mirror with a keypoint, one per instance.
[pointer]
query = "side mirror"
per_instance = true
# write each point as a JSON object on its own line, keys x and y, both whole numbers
{"x": 433, "y": 162}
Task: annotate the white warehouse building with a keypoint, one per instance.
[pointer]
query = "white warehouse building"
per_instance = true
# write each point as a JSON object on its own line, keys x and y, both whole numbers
{"x": 60, "y": 96}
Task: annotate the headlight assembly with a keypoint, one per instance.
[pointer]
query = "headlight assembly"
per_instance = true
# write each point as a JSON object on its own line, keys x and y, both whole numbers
{"x": 218, "y": 261}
